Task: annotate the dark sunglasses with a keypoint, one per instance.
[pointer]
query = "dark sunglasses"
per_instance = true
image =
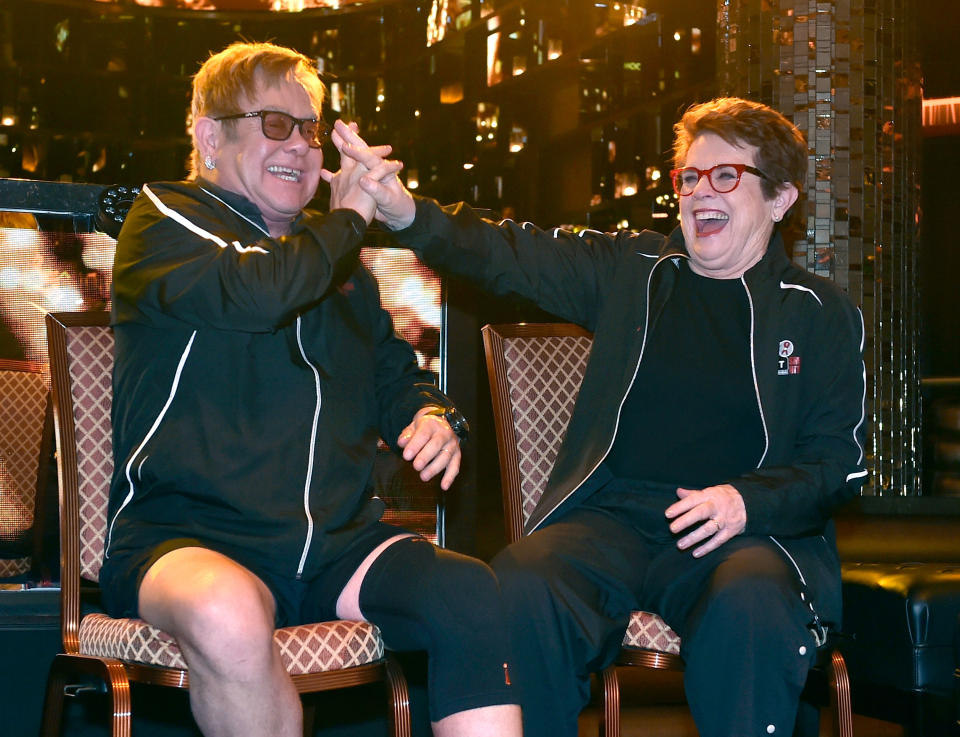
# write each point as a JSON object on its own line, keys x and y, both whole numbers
{"x": 278, "y": 126}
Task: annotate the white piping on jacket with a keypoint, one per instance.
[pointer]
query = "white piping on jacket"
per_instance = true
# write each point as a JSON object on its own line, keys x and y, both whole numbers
{"x": 863, "y": 402}
{"x": 784, "y": 285}
{"x": 194, "y": 228}
{"x": 819, "y": 631}
{"x": 150, "y": 433}
{"x": 313, "y": 445}
{"x": 753, "y": 372}
{"x": 643, "y": 345}
{"x": 240, "y": 214}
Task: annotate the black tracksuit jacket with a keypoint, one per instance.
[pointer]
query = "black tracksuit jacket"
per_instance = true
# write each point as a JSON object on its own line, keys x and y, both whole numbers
{"x": 253, "y": 377}
{"x": 615, "y": 285}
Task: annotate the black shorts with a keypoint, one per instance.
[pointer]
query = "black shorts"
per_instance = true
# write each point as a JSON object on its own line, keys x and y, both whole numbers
{"x": 126, "y": 572}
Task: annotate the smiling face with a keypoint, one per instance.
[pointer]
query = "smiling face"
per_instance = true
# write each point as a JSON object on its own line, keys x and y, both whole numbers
{"x": 279, "y": 177}
{"x": 728, "y": 233}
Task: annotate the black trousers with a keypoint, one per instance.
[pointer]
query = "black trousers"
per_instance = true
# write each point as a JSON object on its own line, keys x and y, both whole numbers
{"x": 569, "y": 588}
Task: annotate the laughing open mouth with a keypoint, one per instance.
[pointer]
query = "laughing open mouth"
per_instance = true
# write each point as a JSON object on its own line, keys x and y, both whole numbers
{"x": 709, "y": 222}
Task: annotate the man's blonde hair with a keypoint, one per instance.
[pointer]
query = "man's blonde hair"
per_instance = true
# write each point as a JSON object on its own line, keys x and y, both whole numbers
{"x": 236, "y": 72}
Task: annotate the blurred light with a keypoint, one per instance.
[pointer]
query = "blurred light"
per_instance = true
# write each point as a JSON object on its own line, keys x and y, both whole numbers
{"x": 518, "y": 138}
{"x": 336, "y": 96}
{"x": 62, "y": 33}
{"x": 9, "y": 277}
{"x": 625, "y": 184}
{"x": 676, "y": 35}
{"x": 468, "y": 165}
{"x": 63, "y": 298}
{"x": 451, "y": 94}
{"x": 413, "y": 179}
{"x": 101, "y": 161}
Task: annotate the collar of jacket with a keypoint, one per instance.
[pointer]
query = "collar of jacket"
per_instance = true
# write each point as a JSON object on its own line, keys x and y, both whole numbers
{"x": 771, "y": 263}
{"x": 240, "y": 203}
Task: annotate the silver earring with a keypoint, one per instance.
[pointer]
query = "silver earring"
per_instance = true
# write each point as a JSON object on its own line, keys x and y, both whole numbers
{"x": 209, "y": 162}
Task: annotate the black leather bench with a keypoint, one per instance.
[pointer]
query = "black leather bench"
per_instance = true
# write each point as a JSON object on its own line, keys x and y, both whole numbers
{"x": 901, "y": 598}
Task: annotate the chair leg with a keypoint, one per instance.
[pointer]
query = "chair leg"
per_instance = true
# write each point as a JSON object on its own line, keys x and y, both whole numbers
{"x": 840, "y": 706}
{"x": 309, "y": 716}
{"x": 110, "y": 672}
{"x": 53, "y": 700}
{"x": 610, "y": 713}
{"x": 398, "y": 698}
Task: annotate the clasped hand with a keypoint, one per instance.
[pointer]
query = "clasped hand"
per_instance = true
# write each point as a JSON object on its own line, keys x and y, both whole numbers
{"x": 712, "y": 516}
{"x": 365, "y": 175}
{"x": 432, "y": 446}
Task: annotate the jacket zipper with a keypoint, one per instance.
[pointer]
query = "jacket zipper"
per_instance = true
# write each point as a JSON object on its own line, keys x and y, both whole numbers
{"x": 616, "y": 426}
{"x": 313, "y": 445}
{"x": 753, "y": 372}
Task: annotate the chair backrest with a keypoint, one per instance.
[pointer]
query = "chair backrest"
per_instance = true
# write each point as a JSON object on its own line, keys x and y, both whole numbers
{"x": 535, "y": 372}
{"x": 80, "y": 345}
{"x": 25, "y": 434}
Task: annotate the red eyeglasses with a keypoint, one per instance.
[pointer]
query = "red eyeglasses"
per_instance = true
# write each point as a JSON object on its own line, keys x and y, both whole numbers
{"x": 722, "y": 177}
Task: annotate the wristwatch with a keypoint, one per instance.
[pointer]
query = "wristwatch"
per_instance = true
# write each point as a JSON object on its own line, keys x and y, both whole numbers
{"x": 454, "y": 417}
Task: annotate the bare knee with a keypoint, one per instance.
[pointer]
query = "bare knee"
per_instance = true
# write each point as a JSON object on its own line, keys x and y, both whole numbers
{"x": 221, "y": 614}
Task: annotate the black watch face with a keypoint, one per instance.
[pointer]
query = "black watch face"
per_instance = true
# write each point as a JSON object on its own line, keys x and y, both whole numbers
{"x": 457, "y": 423}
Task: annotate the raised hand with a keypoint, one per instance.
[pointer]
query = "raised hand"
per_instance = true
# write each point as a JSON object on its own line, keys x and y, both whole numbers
{"x": 345, "y": 189}
{"x": 395, "y": 205}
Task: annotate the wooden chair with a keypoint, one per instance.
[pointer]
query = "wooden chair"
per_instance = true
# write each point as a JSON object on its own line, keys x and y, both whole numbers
{"x": 26, "y": 431}
{"x": 319, "y": 657}
{"x": 535, "y": 372}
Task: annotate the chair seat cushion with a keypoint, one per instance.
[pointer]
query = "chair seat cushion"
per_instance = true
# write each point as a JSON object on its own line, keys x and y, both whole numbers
{"x": 308, "y": 648}
{"x": 650, "y": 632}
{"x": 900, "y": 619}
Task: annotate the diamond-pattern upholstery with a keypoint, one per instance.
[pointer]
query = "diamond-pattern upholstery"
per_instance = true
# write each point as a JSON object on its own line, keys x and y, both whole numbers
{"x": 90, "y": 364}
{"x": 23, "y": 407}
{"x": 543, "y": 372}
{"x": 544, "y": 376}
{"x": 318, "y": 656}
{"x": 310, "y": 648}
{"x": 14, "y": 566}
{"x": 647, "y": 630}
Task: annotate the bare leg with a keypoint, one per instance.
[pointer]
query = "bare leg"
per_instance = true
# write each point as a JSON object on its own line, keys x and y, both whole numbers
{"x": 221, "y": 615}
{"x": 488, "y": 721}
